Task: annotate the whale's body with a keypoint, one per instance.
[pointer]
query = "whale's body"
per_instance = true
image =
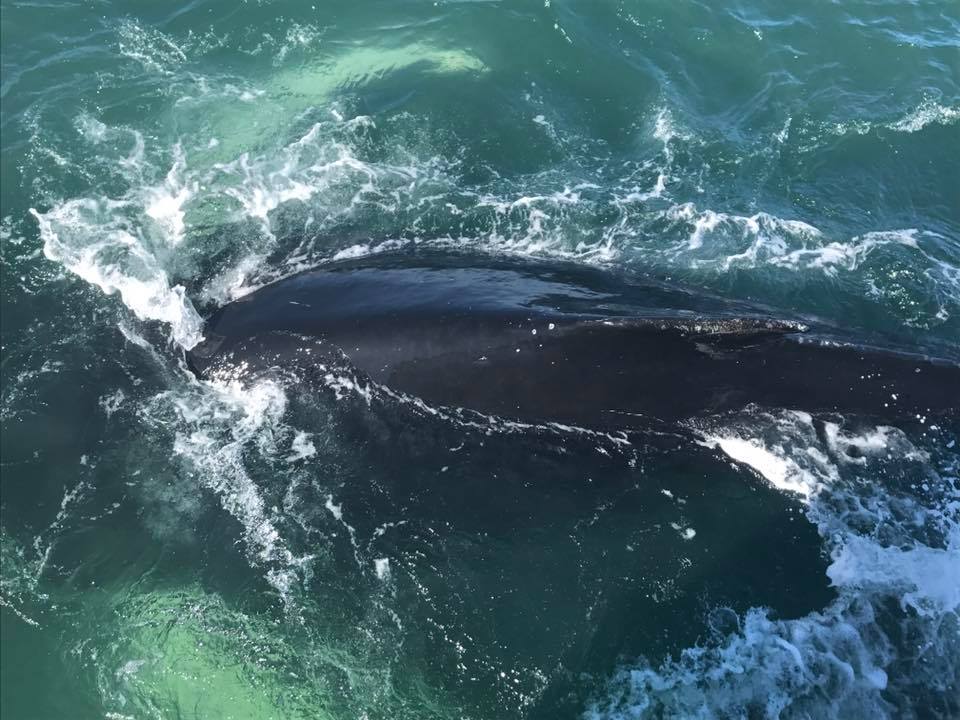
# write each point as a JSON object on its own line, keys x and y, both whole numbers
{"x": 554, "y": 343}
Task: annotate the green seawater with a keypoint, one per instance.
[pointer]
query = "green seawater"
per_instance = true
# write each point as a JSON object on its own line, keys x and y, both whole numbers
{"x": 171, "y": 548}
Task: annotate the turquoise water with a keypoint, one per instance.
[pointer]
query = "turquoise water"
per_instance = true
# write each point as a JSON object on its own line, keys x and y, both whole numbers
{"x": 182, "y": 549}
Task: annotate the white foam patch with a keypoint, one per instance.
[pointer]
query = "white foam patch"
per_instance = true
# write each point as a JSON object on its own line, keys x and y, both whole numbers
{"x": 126, "y": 241}
{"x": 906, "y": 270}
{"x": 154, "y": 50}
{"x": 718, "y": 233}
{"x": 336, "y": 509}
{"x": 878, "y": 442}
{"x": 852, "y": 660}
{"x": 300, "y": 171}
{"x": 923, "y": 579}
{"x": 164, "y": 203}
{"x": 319, "y": 170}
{"x": 927, "y": 113}
{"x": 533, "y": 224}
{"x": 301, "y": 448}
{"x": 111, "y": 402}
{"x": 726, "y": 241}
{"x": 382, "y": 568}
{"x": 87, "y": 238}
{"x": 768, "y": 667}
{"x": 219, "y": 421}
{"x": 298, "y": 37}
{"x": 845, "y": 255}
{"x": 780, "y": 472}
{"x": 121, "y": 243}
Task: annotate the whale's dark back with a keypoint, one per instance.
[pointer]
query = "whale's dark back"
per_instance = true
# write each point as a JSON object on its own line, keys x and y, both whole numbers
{"x": 554, "y": 343}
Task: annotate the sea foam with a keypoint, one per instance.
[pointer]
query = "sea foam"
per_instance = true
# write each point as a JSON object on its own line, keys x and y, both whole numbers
{"x": 887, "y": 544}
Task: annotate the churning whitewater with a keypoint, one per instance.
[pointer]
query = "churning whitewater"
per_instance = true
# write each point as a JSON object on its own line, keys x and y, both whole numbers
{"x": 186, "y": 532}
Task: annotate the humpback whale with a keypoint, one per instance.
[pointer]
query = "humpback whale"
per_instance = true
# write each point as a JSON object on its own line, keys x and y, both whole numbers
{"x": 553, "y": 342}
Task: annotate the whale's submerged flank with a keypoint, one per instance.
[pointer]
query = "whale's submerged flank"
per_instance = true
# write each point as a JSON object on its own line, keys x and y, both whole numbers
{"x": 553, "y": 343}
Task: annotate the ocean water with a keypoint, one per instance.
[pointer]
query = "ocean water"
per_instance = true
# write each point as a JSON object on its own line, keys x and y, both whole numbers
{"x": 173, "y": 548}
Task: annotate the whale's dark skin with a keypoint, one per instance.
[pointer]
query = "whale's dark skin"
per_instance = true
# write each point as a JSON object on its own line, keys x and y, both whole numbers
{"x": 544, "y": 342}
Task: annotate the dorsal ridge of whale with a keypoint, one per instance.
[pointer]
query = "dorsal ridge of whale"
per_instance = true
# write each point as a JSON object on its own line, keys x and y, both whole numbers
{"x": 556, "y": 344}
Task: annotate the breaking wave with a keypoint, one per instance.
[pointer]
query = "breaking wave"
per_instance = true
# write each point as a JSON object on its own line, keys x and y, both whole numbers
{"x": 888, "y": 645}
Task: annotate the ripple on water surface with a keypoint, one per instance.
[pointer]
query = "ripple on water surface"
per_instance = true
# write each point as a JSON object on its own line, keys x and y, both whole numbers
{"x": 246, "y": 548}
